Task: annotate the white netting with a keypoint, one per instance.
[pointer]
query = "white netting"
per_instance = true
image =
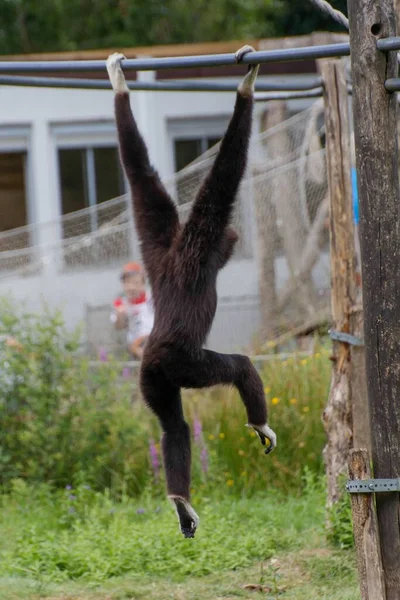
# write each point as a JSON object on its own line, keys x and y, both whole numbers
{"x": 281, "y": 216}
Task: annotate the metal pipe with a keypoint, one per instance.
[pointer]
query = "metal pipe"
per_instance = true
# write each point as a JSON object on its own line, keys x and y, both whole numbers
{"x": 180, "y": 62}
{"x": 392, "y": 84}
{"x": 389, "y": 43}
{"x": 266, "y": 96}
{"x": 296, "y": 85}
{"x": 208, "y": 60}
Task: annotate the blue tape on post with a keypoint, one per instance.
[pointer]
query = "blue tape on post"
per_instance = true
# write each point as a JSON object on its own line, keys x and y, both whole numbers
{"x": 356, "y": 214}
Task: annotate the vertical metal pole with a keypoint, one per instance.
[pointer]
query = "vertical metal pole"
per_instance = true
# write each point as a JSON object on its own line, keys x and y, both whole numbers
{"x": 91, "y": 187}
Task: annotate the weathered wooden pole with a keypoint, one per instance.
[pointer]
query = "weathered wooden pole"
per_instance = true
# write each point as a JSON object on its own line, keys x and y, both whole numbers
{"x": 369, "y": 563}
{"x": 375, "y": 129}
{"x": 338, "y": 418}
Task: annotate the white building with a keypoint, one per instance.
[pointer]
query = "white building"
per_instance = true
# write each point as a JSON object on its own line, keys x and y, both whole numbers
{"x": 58, "y": 155}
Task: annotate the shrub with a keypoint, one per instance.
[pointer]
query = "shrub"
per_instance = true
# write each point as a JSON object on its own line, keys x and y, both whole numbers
{"x": 69, "y": 424}
{"x": 62, "y": 421}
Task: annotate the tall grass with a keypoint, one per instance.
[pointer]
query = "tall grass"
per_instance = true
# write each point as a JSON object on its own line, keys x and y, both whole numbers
{"x": 296, "y": 391}
{"x": 69, "y": 425}
{"x": 80, "y": 534}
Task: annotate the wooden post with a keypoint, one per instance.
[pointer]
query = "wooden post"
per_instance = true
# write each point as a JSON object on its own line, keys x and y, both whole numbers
{"x": 375, "y": 129}
{"x": 338, "y": 419}
{"x": 365, "y": 530}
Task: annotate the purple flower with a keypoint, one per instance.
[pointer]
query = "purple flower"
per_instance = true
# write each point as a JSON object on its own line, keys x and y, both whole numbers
{"x": 71, "y": 510}
{"x": 103, "y": 355}
{"x": 197, "y": 430}
{"x": 72, "y": 497}
{"x": 126, "y": 372}
{"x": 204, "y": 459}
{"x": 155, "y": 462}
{"x": 140, "y": 511}
{"x": 68, "y": 487}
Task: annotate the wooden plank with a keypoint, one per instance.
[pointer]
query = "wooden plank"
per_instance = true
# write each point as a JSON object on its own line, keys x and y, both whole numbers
{"x": 337, "y": 417}
{"x": 365, "y": 530}
{"x": 375, "y": 129}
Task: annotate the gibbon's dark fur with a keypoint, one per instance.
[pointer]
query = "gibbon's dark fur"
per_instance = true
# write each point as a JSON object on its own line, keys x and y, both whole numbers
{"x": 182, "y": 264}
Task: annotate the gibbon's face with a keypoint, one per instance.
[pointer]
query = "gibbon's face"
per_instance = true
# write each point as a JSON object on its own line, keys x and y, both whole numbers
{"x": 134, "y": 285}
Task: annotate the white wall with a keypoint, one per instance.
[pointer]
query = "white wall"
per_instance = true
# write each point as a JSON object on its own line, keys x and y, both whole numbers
{"x": 42, "y": 111}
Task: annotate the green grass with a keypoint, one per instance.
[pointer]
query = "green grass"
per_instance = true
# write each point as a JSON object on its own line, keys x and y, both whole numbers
{"x": 81, "y": 545}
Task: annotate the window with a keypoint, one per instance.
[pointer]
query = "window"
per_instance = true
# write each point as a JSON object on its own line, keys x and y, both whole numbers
{"x": 13, "y": 211}
{"x": 13, "y": 207}
{"x": 190, "y": 139}
{"x": 89, "y": 176}
{"x": 187, "y": 150}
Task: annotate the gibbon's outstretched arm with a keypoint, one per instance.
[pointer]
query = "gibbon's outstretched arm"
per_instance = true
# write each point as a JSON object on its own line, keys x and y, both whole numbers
{"x": 227, "y": 246}
{"x": 213, "y": 206}
{"x": 155, "y": 213}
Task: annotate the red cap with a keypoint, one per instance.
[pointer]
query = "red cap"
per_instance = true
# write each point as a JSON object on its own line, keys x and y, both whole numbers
{"x": 130, "y": 268}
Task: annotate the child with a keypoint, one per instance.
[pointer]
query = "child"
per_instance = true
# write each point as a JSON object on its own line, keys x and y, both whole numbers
{"x": 134, "y": 309}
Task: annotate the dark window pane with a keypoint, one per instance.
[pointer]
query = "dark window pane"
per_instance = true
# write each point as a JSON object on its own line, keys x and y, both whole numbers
{"x": 185, "y": 152}
{"x": 73, "y": 179}
{"x": 12, "y": 191}
{"x": 109, "y": 178}
{"x": 13, "y": 212}
{"x": 212, "y": 141}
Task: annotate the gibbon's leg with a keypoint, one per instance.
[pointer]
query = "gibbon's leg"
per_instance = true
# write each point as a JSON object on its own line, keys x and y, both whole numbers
{"x": 165, "y": 401}
{"x": 213, "y": 206}
{"x": 155, "y": 214}
{"x": 207, "y": 368}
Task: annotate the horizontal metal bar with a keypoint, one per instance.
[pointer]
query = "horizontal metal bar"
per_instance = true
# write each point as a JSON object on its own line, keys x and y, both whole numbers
{"x": 268, "y": 96}
{"x": 392, "y": 84}
{"x": 389, "y": 43}
{"x": 184, "y": 85}
{"x": 179, "y": 62}
{"x": 182, "y": 62}
{"x": 371, "y": 486}
{"x": 208, "y": 60}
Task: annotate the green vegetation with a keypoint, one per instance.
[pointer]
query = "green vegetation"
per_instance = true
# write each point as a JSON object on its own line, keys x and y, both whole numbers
{"x": 51, "y": 25}
{"x": 67, "y": 424}
{"x": 79, "y": 544}
{"x": 83, "y": 511}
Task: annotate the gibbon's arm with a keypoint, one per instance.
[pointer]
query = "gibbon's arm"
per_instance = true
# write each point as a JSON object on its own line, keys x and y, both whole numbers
{"x": 214, "y": 203}
{"x": 227, "y": 246}
{"x": 155, "y": 214}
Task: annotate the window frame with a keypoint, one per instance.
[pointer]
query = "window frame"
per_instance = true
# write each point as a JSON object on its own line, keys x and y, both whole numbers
{"x": 17, "y": 139}
{"x": 192, "y": 128}
{"x": 85, "y": 136}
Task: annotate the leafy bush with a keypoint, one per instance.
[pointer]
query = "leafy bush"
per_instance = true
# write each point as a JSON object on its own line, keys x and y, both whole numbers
{"x": 62, "y": 421}
{"x": 67, "y": 423}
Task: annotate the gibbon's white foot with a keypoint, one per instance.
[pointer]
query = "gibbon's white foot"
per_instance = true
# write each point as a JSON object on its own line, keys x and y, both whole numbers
{"x": 246, "y": 88}
{"x": 188, "y": 519}
{"x": 116, "y": 74}
{"x": 266, "y": 435}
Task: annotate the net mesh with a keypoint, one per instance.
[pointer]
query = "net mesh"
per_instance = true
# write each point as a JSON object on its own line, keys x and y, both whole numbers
{"x": 281, "y": 216}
